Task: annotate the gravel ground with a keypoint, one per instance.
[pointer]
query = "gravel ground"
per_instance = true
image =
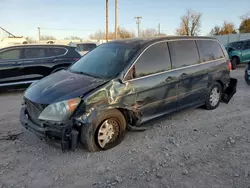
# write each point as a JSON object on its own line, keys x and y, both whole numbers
{"x": 192, "y": 148}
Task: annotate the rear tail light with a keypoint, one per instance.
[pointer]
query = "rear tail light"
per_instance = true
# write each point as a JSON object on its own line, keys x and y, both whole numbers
{"x": 76, "y": 59}
{"x": 230, "y": 65}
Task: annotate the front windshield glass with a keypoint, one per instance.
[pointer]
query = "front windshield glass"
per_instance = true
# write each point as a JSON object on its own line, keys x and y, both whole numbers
{"x": 105, "y": 61}
{"x": 235, "y": 45}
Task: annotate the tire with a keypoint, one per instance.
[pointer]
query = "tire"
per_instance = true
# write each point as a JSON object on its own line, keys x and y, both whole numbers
{"x": 234, "y": 62}
{"x": 246, "y": 79}
{"x": 58, "y": 69}
{"x": 209, "y": 105}
{"x": 90, "y": 134}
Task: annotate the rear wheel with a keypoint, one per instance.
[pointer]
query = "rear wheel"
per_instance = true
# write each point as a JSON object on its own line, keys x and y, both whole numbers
{"x": 105, "y": 132}
{"x": 235, "y": 62}
{"x": 213, "y": 96}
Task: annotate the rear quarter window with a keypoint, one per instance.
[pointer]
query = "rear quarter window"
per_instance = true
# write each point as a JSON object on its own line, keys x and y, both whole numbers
{"x": 209, "y": 50}
{"x": 56, "y": 52}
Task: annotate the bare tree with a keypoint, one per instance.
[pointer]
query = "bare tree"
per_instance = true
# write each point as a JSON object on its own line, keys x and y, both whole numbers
{"x": 124, "y": 33}
{"x": 100, "y": 34}
{"x": 245, "y": 23}
{"x": 150, "y": 32}
{"x": 47, "y": 37}
{"x": 225, "y": 29}
{"x": 190, "y": 24}
{"x": 30, "y": 40}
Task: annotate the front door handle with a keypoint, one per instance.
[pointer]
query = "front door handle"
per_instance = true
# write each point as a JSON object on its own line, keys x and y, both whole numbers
{"x": 184, "y": 75}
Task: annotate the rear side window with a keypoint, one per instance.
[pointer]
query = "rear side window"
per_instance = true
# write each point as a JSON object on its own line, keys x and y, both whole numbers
{"x": 209, "y": 50}
{"x": 183, "y": 53}
{"x": 55, "y": 52}
{"x": 33, "y": 53}
{"x": 247, "y": 45}
{"x": 154, "y": 60}
{"x": 85, "y": 47}
{"x": 10, "y": 54}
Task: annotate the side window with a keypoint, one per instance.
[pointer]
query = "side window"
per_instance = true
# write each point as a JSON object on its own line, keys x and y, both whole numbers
{"x": 154, "y": 60}
{"x": 10, "y": 54}
{"x": 55, "y": 52}
{"x": 209, "y": 50}
{"x": 247, "y": 45}
{"x": 34, "y": 53}
{"x": 183, "y": 53}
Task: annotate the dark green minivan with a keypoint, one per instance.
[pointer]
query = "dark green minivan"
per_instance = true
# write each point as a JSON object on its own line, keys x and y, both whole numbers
{"x": 239, "y": 52}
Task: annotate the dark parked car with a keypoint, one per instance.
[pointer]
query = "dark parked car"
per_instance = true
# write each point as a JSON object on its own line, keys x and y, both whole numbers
{"x": 25, "y": 64}
{"x": 84, "y": 48}
{"x": 122, "y": 84}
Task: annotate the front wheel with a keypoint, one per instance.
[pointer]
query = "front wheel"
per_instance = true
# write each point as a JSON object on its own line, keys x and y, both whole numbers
{"x": 105, "y": 132}
{"x": 213, "y": 96}
{"x": 246, "y": 78}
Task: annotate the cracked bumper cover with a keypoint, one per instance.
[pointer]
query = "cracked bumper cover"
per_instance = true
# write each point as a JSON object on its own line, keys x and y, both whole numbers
{"x": 41, "y": 131}
{"x": 67, "y": 135}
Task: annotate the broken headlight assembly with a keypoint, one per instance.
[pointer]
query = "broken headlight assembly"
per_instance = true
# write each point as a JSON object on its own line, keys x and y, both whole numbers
{"x": 60, "y": 111}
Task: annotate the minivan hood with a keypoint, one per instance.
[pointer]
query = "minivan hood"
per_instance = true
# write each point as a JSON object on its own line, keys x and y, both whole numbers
{"x": 62, "y": 85}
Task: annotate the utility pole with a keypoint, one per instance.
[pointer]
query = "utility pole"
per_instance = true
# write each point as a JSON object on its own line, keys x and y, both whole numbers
{"x": 116, "y": 19}
{"x": 39, "y": 34}
{"x": 107, "y": 22}
{"x": 159, "y": 29}
{"x": 138, "y": 22}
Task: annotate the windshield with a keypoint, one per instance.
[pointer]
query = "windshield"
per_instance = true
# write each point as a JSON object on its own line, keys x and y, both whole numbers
{"x": 105, "y": 61}
{"x": 234, "y": 45}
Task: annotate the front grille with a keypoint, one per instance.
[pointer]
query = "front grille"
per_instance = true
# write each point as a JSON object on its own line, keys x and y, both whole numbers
{"x": 34, "y": 110}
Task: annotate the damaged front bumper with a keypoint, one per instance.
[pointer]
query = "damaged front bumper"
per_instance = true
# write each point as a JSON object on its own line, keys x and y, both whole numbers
{"x": 63, "y": 132}
{"x": 230, "y": 90}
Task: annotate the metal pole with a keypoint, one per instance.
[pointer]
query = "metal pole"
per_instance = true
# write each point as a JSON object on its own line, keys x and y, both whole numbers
{"x": 107, "y": 24}
{"x": 39, "y": 34}
{"x": 138, "y": 21}
{"x": 116, "y": 18}
{"x": 159, "y": 29}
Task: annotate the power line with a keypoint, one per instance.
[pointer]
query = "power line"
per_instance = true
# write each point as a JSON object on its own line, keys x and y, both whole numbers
{"x": 138, "y": 22}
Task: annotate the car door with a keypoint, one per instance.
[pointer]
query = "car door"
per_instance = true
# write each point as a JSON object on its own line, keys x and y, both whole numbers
{"x": 34, "y": 63}
{"x": 10, "y": 66}
{"x": 153, "y": 83}
{"x": 246, "y": 52}
{"x": 193, "y": 78}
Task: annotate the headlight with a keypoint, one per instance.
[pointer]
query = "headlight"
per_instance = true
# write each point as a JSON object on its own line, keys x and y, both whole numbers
{"x": 60, "y": 111}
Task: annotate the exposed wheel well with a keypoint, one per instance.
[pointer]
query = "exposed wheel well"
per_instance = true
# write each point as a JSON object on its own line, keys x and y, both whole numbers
{"x": 238, "y": 59}
{"x": 129, "y": 115}
{"x": 221, "y": 84}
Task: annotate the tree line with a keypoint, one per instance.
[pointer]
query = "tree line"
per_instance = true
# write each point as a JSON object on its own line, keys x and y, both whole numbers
{"x": 191, "y": 25}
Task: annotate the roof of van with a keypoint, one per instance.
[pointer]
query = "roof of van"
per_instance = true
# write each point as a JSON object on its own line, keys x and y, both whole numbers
{"x": 150, "y": 40}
